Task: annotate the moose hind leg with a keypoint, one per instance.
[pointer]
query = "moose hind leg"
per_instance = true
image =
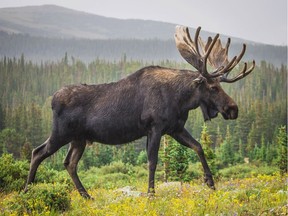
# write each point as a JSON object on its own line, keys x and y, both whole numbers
{"x": 74, "y": 154}
{"x": 38, "y": 155}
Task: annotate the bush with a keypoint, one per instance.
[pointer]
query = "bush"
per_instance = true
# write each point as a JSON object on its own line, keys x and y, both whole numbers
{"x": 141, "y": 172}
{"x": 117, "y": 167}
{"x": 47, "y": 175}
{"x": 94, "y": 179}
{"x": 42, "y": 197}
{"x": 142, "y": 158}
{"x": 246, "y": 170}
{"x": 13, "y": 173}
{"x": 194, "y": 171}
{"x": 117, "y": 174}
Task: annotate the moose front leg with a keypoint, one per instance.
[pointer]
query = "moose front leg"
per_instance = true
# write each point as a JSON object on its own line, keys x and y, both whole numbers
{"x": 153, "y": 143}
{"x": 184, "y": 138}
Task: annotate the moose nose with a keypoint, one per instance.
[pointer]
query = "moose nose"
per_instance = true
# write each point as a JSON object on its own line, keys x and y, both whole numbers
{"x": 231, "y": 111}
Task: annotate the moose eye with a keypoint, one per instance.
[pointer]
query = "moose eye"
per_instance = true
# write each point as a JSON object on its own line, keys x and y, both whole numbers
{"x": 214, "y": 88}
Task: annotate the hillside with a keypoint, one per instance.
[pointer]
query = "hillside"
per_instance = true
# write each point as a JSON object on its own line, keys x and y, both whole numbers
{"x": 47, "y": 32}
{"x": 54, "y": 21}
{"x": 59, "y": 22}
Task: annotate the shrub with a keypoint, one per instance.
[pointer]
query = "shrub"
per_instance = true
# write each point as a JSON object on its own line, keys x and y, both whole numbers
{"x": 246, "y": 170}
{"x": 13, "y": 173}
{"x": 141, "y": 172}
{"x": 47, "y": 175}
{"x": 42, "y": 197}
{"x": 194, "y": 171}
{"x": 142, "y": 158}
{"x": 117, "y": 167}
{"x": 117, "y": 174}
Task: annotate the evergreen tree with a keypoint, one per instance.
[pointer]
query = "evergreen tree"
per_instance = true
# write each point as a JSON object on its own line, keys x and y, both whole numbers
{"x": 252, "y": 140}
{"x": 34, "y": 133}
{"x": 219, "y": 138}
{"x": 2, "y": 120}
{"x": 176, "y": 160}
{"x": 241, "y": 150}
{"x": 263, "y": 149}
{"x": 282, "y": 143}
{"x": 129, "y": 155}
{"x": 97, "y": 155}
{"x": 226, "y": 152}
{"x": 26, "y": 151}
{"x": 206, "y": 142}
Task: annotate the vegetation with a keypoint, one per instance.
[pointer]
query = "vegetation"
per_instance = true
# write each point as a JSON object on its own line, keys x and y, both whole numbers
{"x": 241, "y": 190}
{"x": 175, "y": 159}
{"x": 248, "y": 156}
{"x": 26, "y": 89}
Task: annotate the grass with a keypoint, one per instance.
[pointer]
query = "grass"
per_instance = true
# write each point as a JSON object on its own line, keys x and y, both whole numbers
{"x": 257, "y": 195}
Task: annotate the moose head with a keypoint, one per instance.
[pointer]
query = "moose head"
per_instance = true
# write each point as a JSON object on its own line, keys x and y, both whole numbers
{"x": 198, "y": 53}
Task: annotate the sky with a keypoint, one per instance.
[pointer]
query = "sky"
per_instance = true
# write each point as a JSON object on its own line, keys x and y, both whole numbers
{"x": 263, "y": 21}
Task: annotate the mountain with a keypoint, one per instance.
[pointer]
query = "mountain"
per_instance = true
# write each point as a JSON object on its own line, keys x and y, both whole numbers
{"x": 47, "y": 32}
{"x": 59, "y": 22}
{"x": 55, "y": 21}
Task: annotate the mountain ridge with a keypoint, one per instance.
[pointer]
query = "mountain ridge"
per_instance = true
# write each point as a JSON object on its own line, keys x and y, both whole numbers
{"x": 60, "y": 22}
{"x": 48, "y": 32}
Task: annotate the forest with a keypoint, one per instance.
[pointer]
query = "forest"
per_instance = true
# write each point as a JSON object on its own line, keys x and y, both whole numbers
{"x": 26, "y": 90}
{"x": 40, "y": 49}
{"x": 255, "y": 143}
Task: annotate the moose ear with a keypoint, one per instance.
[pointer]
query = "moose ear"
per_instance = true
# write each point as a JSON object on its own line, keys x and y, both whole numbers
{"x": 200, "y": 79}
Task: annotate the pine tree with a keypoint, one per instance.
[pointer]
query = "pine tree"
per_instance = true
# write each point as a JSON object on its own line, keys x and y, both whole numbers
{"x": 282, "y": 143}
{"x": 219, "y": 138}
{"x": 226, "y": 152}
{"x": 35, "y": 132}
{"x": 26, "y": 151}
{"x": 263, "y": 149}
{"x": 241, "y": 150}
{"x": 129, "y": 154}
{"x": 206, "y": 142}
{"x": 176, "y": 160}
{"x": 2, "y": 120}
{"x": 252, "y": 140}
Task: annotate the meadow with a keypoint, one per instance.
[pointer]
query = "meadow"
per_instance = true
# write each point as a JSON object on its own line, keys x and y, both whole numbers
{"x": 118, "y": 189}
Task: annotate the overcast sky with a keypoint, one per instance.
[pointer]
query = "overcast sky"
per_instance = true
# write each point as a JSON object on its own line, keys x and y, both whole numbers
{"x": 257, "y": 20}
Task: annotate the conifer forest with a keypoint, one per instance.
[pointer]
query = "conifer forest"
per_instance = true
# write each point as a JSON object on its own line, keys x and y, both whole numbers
{"x": 26, "y": 90}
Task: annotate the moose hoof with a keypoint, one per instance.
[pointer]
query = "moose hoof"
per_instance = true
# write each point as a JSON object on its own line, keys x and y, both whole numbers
{"x": 208, "y": 179}
{"x": 25, "y": 190}
{"x": 85, "y": 195}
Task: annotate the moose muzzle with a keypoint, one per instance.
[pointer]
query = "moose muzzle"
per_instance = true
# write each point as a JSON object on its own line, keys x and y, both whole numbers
{"x": 230, "y": 111}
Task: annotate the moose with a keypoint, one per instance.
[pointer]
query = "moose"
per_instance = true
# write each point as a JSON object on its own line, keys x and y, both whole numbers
{"x": 151, "y": 102}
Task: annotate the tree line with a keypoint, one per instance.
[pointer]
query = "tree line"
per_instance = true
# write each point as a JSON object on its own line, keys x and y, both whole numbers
{"x": 38, "y": 49}
{"x": 26, "y": 90}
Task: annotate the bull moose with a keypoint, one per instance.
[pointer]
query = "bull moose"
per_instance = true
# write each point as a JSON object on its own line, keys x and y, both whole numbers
{"x": 151, "y": 102}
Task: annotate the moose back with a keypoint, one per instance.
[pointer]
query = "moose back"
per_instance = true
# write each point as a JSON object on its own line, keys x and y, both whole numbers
{"x": 151, "y": 102}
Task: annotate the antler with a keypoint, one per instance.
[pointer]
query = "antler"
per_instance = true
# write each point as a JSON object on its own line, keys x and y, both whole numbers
{"x": 211, "y": 52}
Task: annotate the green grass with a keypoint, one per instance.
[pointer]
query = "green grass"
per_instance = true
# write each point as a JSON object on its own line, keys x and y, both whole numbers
{"x": 257, "y": 195}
